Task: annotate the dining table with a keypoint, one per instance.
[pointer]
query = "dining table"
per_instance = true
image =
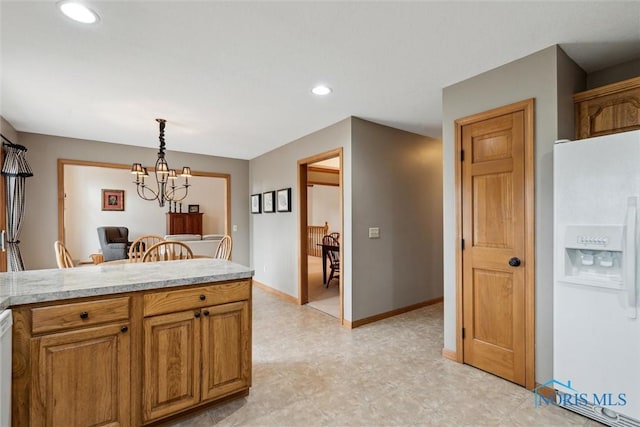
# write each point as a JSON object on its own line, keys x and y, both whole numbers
{"x": 325, "y": 253}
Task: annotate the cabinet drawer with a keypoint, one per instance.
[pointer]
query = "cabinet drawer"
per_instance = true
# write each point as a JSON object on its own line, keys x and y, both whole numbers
{"x": 67, "y": 316}
{"x": 192, "y": 298}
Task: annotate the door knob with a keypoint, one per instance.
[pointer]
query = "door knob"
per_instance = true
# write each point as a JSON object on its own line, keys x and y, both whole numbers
{"x": 514, "y": 262}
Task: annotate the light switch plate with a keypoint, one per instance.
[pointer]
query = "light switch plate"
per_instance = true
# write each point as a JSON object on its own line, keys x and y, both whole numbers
{"x": 235, "y": 227}
{"x": 374, "y": 232}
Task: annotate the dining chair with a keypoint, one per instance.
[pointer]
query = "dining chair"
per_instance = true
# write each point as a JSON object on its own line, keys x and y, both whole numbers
{"x": 223, "y": 251}
{"x": 140, "y": 245}
{"x": 167, "y": 250}
{"x": 63, "y": 257}
{"x": 332, "y": 246}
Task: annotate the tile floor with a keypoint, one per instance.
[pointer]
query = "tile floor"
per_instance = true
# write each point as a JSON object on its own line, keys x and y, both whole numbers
{"x": 309, "y": 371}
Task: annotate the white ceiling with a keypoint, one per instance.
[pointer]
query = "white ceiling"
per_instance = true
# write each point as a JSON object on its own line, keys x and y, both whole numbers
{"x": 233, "y": 78}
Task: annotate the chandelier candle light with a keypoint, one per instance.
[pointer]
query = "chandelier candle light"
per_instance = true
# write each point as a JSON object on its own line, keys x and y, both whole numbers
{"x": 166, "y": 189}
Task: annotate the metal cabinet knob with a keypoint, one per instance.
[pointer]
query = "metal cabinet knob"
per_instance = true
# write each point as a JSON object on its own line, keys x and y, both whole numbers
{"x": 514, "y": 262}
{"x": 84, "y": 315}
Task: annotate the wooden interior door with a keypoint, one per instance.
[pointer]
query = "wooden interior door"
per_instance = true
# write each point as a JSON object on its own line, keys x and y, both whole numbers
{"x": 494, "y": 233}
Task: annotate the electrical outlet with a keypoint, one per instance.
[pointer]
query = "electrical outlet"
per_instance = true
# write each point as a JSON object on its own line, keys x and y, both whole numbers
{"x": 374, "y": 232}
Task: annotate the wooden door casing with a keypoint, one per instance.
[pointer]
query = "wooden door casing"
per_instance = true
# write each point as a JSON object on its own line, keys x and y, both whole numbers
{"x": 82, "y": 378}
{"x": 495, "y": 299}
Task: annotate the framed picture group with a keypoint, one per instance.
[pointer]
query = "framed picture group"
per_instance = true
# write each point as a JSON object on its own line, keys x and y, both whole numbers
{"x": 271, "y": 201}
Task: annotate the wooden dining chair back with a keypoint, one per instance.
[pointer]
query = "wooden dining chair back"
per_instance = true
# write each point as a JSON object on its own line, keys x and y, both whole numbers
{"x": 223, "y": 251}
{"x": 332, "y": 246}
{"x": 167, "y": 250}
{"x": 141, "y": 244}
{"x": 63, "y": 257}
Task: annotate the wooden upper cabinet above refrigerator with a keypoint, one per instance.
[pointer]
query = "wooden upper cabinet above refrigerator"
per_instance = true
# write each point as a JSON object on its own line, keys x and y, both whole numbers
{"x": 608, "y": 109}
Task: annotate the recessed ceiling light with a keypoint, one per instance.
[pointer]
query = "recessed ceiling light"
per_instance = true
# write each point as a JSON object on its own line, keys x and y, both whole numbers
{"x": 321, "y": 90}
{"x": 78, "y": 12}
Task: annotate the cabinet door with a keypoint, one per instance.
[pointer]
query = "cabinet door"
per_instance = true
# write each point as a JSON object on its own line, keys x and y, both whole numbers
{"x": 194, "y": 223}
{"x": 82, "y": 378}
{"x": 177, "y": 223}
{"x": 171, "y": 363}
{"x": 226, "y": 349}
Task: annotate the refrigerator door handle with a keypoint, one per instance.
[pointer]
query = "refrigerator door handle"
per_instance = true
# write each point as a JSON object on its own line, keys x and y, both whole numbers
{"x": 630, "y": 256}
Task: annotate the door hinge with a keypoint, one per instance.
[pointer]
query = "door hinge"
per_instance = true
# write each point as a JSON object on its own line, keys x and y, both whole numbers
{"x": 462, "y": 333}
{"x": 462, "y": 155}
{"x": 462, "y": 244}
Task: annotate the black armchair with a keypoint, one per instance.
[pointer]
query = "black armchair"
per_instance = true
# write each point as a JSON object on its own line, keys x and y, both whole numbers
{"x": 114, "y": 242}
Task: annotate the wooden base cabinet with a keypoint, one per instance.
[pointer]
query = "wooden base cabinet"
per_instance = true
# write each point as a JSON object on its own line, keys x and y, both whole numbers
{"x": 72, "y": 364}
{"x": 197, "y": 355}
{"x": 132, "y": 359}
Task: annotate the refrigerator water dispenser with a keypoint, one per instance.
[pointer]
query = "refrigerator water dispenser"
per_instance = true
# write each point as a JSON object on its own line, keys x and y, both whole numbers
{"x": 594, "y": 255}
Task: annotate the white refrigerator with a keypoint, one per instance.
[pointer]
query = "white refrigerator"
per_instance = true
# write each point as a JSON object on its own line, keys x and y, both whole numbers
{"x": 596, "y": 343}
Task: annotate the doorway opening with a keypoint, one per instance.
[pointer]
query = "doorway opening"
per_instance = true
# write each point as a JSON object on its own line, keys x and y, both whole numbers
{"x": 320, "y": 196}
{"x": 80, "y": 185}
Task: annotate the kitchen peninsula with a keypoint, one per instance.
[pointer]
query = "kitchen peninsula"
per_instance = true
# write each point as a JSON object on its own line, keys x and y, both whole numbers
{"x": 129, "y": 344}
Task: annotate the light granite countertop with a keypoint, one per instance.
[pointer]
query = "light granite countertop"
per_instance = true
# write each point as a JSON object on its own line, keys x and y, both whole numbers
{"x": 58, "y": 284}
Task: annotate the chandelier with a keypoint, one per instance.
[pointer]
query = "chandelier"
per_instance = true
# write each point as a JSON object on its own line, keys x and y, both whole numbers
{"x": 166, "y": 189}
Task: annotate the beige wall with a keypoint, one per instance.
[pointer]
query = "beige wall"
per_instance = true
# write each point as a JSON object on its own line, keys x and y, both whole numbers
{"x": 323, "y": 205}
{"x": 392, "y": 180}
{"x": 41, "y": 219}
{"x": 274, "y": 236}
{"x": 397, "y": 186}
{"x": 550, "y": 77}
{"x": 8, "y": 131}
{"x": 624, "y": 71}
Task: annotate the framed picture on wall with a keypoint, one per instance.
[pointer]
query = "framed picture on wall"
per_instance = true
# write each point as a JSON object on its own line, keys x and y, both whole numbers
{"x": 112, "y": 200}
{"x": 256, "y": 203}
{"x": 284, "y": 200}
{"x": 268, "y": 204}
